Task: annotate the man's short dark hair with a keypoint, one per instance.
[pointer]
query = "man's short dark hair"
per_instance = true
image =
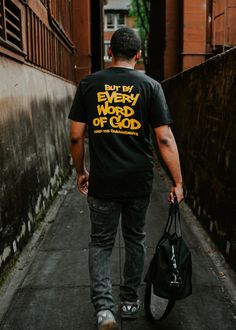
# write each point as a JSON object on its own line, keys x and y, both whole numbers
{"x": 125, "y": 43}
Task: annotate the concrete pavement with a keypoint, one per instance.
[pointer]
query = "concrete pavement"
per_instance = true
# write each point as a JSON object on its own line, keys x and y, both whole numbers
{"x": 51, "y": 289}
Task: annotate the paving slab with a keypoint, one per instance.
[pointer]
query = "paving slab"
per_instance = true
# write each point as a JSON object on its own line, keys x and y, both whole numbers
{"x": 65, "y": 268}
{"x": 58, "y": 308}
{"x": 54, "y": 293}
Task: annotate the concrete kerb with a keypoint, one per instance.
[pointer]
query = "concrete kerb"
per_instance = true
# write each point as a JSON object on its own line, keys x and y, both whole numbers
{"x": 17, "y": 274}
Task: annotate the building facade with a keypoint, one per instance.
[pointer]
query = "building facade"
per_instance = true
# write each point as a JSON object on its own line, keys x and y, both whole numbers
{"x": 116, "y": 15}
{"x": 186, "y": 33}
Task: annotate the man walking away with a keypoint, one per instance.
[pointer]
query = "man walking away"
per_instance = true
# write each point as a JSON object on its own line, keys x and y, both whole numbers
{"x": 118, "y": 105}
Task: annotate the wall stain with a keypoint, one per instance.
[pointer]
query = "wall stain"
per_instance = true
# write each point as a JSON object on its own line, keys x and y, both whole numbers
{"x": 33, "y": 158}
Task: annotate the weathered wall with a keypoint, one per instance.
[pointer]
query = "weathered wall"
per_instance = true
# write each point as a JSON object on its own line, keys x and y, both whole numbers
{"x": 203, "y": 104}
{"x": 33, "y": 147}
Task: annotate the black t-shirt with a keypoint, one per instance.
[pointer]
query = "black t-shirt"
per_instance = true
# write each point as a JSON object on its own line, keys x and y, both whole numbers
{"x": 119, "y": 105}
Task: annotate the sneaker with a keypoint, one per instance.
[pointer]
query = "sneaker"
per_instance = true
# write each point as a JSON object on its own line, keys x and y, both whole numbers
{"x": 129, "y": 309}
{"x": 106, "y": 321}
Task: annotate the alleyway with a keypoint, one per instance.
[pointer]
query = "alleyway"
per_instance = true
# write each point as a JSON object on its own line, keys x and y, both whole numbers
{"x": 54, "y": 291}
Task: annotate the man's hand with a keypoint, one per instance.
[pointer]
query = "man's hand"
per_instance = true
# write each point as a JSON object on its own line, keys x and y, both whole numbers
{"x": 178, "y": 192}
{"x": 82, "y": 182}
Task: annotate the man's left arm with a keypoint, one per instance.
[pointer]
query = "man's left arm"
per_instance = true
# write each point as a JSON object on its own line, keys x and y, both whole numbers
{"x": 77, "y": 134}
{"x": 169, "y": 153}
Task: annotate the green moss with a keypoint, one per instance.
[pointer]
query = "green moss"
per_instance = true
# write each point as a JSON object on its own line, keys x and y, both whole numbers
{"x": 7, "y": 268}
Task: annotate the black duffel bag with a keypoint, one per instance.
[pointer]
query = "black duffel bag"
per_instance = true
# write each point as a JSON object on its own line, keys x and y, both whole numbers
{"x": 169, "y": 275}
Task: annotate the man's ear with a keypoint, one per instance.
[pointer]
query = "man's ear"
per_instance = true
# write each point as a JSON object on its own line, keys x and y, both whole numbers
{"x": 138, "y": 56}
{"x": 109, "y": 52}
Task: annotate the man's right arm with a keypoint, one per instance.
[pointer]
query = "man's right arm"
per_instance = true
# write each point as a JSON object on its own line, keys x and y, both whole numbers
{"x": 169, "y": 153}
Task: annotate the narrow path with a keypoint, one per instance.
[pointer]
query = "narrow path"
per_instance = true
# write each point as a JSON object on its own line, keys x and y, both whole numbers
{"x": 54, "y": 293}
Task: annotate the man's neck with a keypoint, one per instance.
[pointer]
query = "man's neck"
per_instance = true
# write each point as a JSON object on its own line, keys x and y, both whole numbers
{"x": 120, "y": 63}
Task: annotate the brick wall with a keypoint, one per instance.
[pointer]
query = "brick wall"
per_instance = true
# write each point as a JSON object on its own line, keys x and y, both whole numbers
{"x": 194, "y": 32}
{"x": 203, "y": 104}
{"x": 173, "y": 39}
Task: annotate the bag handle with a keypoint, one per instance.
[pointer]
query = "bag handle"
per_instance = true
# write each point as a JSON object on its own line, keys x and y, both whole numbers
{"x": 174, "y": 217}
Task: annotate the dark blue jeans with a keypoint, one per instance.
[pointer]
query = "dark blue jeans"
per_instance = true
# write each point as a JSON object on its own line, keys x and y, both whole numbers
{"x": 105, "y": 215}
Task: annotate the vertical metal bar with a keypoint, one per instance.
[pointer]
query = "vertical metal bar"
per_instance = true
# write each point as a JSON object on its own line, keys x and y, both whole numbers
{"x": 43, "y": 44}
{"x": 62, "y": 62}
{"x": 3, "y": 20}
{"x": 40, "y": 42}
{"x": 37, "y": 39}
{"x": 59, "y": 59}
{"x": 59, "y": 56}
{"x": 28, "y": 30}
{"x": 49, "y": 50}
{"x": 20, "y": 26}
{"x": 33, "y": 35}
{"x": 46, "y": 47}
{"x": 53, "y": 52}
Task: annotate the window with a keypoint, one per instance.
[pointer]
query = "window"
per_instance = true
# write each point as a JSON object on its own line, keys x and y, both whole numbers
{"x": 114, "y": 21}
{"x": 10, "y": 23}
{"x": 120, "y": 20}
{"x": 110, "y": 21}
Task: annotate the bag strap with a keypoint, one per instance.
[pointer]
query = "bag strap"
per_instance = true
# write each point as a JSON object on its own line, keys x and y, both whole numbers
{"x": 147, "y": 302}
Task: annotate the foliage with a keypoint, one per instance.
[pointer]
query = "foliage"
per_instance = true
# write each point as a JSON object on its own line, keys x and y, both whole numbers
{"x": 140, "y": 9}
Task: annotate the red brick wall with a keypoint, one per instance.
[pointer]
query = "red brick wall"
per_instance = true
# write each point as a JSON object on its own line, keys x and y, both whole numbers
{"x": 194, "y": 32}
{"x": 185, "y": 34}
{"x": 171, "y": 62}
{"x": 82, "y": 38}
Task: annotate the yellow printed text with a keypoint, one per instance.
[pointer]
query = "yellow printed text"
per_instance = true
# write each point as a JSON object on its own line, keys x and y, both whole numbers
{"x": 125, "y": 111}
{"x": 116, "y": 97}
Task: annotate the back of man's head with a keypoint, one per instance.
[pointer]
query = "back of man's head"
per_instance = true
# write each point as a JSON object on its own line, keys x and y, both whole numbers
{"x": 125, "y": 43}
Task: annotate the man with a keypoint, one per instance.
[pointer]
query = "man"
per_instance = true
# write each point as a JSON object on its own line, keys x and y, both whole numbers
{"x": 118, "y": 105}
